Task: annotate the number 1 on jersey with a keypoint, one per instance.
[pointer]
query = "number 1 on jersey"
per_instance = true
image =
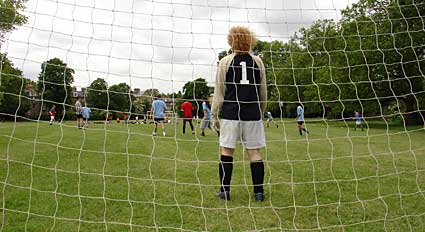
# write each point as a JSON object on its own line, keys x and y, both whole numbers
{"x": 244, "y": 80}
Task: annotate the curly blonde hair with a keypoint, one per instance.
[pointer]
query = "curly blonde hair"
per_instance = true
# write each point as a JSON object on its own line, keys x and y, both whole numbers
{"x": 241, "y": 39}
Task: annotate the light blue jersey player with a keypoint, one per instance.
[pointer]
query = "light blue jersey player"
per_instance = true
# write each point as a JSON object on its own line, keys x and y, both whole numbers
{"x": 270, "y": 119}
{"x": 358, "y": 119}
{"x": 85, "y": 111}
{"x": 158, "y": 109}
{"x": 300, "y": 119}
{"x": 207, "y": 116}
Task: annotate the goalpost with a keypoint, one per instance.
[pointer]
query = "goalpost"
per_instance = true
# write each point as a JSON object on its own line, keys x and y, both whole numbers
{"x": 356, "y": 68}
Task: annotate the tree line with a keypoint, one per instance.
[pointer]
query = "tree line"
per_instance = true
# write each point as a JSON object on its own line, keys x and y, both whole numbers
{"x": 54, "y": 87}
{"x": 372, "y": 60}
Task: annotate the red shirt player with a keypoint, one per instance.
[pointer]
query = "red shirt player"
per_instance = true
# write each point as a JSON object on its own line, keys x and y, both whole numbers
{"x": 52, "y": 114}
{"x": 187, "y": 109}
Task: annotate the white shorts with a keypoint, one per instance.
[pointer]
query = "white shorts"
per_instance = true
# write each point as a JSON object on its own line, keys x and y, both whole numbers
{"x": 358, "y": 122}
{"x": 52, "y": 117}
{"x": 249, "y": 133}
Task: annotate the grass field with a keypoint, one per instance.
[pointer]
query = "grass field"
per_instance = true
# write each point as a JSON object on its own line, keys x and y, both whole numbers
{"x": 120, "y": 178}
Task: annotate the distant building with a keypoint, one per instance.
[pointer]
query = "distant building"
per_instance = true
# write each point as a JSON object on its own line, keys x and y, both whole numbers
{"x": 79, "y": 93}
{"x": 137, "y": 93}
{"x": 31, "y": 92}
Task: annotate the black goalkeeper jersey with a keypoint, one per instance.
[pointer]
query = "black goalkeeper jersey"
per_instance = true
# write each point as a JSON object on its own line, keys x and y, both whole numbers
{"x": 241, "y": 99}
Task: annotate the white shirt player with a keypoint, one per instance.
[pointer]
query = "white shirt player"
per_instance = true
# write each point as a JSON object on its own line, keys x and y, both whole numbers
{"x": 269, "y": 116}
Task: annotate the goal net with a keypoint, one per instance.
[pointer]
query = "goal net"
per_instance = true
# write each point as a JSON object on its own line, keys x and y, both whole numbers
{"x": 344, "y": 123}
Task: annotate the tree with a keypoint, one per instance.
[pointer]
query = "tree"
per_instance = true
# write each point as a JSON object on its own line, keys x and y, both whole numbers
{"x": 197, "y": 89}
{"x": 224, "y": 53}
{"x": 392, "y": 35}
{"x": 10, "y": 17}
{"x": 120, "y": 97}
{"x": 141, "y": 105}
{"x": 151, "y": 93}
{"x": 371, "y": 60}
{"x": 12, "y": 89}
{"x": 54, "y": 83}
{"x": 97, "y": 95}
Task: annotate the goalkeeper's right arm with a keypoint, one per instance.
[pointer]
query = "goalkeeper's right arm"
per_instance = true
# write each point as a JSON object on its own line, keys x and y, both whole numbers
{"x": 219, "y": 91}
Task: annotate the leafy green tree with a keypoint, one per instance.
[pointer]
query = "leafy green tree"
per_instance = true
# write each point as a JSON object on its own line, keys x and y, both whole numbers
{"x": 390, "y": 35}
{"x": 54, "y": 83}
{"x": 12, "y": 89}
{"x": 97, "y": 95}
{"x": 141, "y": 105}
{"x": 372, "y": 60}
{"x": 120, "y": 97}
{"x": 222, "y": 54}
{"x": 10, "y": 17}
{"x": 12, "y": 83}
{"x": 177, "y": 95}
{"x": 197, "y": 89}
{"x": 151, "y": 93}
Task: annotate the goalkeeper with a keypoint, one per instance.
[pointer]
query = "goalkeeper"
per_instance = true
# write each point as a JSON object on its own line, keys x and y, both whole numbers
{"x": 240, "y": 97}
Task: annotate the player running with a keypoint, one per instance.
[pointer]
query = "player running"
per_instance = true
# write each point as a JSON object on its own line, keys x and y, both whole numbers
{"x": 358, "y": 119}
{"x": 158, "y": 109}
{"x": 240, "y": 97}
{"x": 78, "y": 113}
{"x": 207, "y": 116}
{"x": 300, "y": 119}
{"x": 86, "y": 111}
{"x": 270, "y": 119}
{"x": 187, "y": 110}
{"x": 52, "y": 113}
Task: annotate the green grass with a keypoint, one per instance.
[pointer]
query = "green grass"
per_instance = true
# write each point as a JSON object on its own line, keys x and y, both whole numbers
{"x": 119, "y": 178}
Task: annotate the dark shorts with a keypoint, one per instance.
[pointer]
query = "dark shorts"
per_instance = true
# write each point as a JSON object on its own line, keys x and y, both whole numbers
{"x": 300, "y": 122}
{"x": 79, "y": 116}
{"x": 156, "y": 120}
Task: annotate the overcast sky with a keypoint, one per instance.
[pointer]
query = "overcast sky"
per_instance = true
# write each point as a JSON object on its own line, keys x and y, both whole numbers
{"x": 150, "y": 44}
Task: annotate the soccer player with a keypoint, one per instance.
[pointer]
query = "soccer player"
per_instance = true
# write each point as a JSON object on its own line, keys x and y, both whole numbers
{"x": 300, "y": 119}
{"x": 158, "y": 110}
{"x": 52, "y": 113}
{"x": 240, "y": 97}
{"x": 270, "y": 119}
{"x": 85, "y": 111}
{"x": 187, "y": 109}
{"x": 78, "y": 113}
{"x": 207, "y": 116}
{"x": 358, "y": 119}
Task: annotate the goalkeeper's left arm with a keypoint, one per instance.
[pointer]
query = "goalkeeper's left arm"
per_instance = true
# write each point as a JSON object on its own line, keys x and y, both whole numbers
{"x": 263, "y": 85}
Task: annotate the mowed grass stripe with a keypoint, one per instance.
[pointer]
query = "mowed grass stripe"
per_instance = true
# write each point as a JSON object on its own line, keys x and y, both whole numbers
{"x": 371, "y": 180}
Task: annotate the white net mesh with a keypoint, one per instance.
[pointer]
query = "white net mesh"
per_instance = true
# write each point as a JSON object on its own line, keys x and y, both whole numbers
{"x": 364, "y": 172}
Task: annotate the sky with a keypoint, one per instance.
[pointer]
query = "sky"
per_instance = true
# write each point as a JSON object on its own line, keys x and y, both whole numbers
{"x": 158, "y": 44}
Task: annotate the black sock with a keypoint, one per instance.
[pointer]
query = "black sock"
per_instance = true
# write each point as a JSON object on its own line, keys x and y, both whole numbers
{"x": 225, "y": 169}
{"x": 257, "y": 173}
{"x": 191, "y": 125}
{"x": 184, "y": 127}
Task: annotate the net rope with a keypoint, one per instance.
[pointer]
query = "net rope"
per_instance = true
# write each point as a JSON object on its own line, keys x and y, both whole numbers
{"x": 120, "y": 177}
